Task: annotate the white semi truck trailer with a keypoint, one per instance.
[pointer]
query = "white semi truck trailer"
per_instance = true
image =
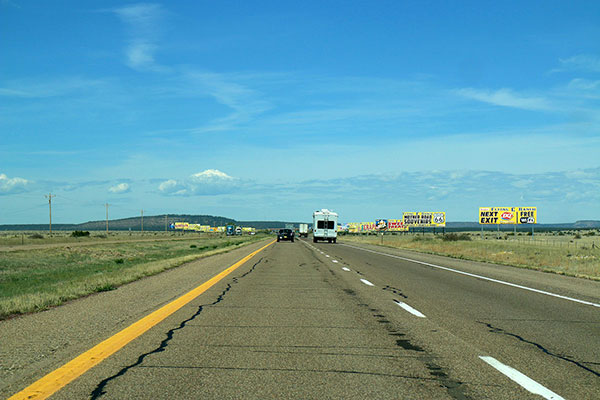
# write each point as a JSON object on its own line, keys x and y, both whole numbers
{"x": 325, "y": 225}
{"x": 303, "y": 230}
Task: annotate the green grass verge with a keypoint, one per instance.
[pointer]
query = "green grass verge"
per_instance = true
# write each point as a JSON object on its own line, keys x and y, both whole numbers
{"x": 35, "y": 280}
{"x": 581, "y": 262}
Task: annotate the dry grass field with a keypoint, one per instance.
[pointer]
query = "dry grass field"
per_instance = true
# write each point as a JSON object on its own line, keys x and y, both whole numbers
{"x": 573, "y": 253}
{"x": 56, "y": 269}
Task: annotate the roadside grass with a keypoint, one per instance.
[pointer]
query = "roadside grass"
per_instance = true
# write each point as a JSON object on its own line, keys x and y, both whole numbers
{"x": 36, "y": 280}
{"x": 582, "y": 261}
{"x": 17, "y": 238}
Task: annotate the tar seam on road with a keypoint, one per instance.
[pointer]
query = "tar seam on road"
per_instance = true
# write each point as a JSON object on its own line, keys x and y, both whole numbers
{"x": 589, "y": 303}
{"x": 539, "y": 346}
{"x": 62, "y": 376}
{"x": 99, "y": 390}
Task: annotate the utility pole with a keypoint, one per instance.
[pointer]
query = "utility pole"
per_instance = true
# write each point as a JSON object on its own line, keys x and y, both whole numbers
{"x": 106, "y": 217}
{"x": 49, "y": 197}
{"x": 142, "y": 222}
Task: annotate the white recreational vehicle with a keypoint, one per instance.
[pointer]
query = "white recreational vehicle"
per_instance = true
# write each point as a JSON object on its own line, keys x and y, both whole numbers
{"x": 325, "y": 225}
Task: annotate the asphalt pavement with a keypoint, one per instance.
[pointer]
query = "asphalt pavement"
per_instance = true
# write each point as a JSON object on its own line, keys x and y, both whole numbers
{"x": 304, "y": 320}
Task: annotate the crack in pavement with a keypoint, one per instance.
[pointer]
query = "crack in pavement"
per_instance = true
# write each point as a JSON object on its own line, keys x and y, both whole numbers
{"x": 494, "y": 329}
{"x": 99, "y": 390}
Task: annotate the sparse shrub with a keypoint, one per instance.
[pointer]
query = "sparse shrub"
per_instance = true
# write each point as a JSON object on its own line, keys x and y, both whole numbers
{"x": 590, "y": 233}
{"x": 193, "y": 246}
{"x": 529, "y": 234}
{"x": 453, "y": 237}
{"x": 36, "y": 236}
{"x": 561, "y": 233}
{"x": 101, "y": 236}
{"x": 119, "y": 261}
{"x": 577, "y": 236}
{"x": 80, "y": 234}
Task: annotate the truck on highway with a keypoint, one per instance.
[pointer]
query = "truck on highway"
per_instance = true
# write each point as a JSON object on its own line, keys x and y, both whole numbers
{"x": 325, "y": 225}
{"x": 303, "y": 230}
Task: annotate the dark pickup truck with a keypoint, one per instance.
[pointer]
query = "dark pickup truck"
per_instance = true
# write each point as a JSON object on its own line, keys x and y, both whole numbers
{"x": 285, "y": 234}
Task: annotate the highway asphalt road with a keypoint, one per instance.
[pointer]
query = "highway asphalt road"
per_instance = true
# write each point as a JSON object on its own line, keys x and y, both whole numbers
{"x": 304, "y": 320}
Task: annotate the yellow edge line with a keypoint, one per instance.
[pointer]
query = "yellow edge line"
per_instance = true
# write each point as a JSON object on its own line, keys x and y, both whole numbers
{"x": 59, "y": 378}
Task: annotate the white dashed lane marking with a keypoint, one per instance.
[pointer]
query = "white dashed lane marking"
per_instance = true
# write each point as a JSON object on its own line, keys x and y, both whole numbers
{"x": 479, "y": 277}
{"x": 346, "y": 269}
{"x": 409, "y": 309}
{"x": 366, "y": 282}
{"x": 523, "y": 380}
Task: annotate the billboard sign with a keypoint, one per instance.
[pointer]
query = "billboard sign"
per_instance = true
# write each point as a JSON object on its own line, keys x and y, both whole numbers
{"x": 396, "y": 225}
{"x": 424, "y": 219}
{"x": 507, "y": 215}
{"x": 528, "y": 215}
{"x": 381, "y": 224}
{"x": 367, "y": 226}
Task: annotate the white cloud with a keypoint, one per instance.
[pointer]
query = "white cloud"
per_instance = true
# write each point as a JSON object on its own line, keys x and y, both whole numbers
{"x": 120, "y": 188}
{"x": 206, "y": 183}
{"x": 582, "y": 62}
{"x": 61, "y": 86}
{"x": 12, "y": 185}
{"x": 211, "y": 175}
{"x": 505, "y": 98}
{"x": 584, "y": 84}
{"x": 168, "y": 186}
{"x": 143, "y": 22}
{"x": 244, "y": 102}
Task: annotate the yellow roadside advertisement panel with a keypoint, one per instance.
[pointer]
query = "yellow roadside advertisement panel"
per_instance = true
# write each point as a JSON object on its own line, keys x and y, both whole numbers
{"x": 353, "y": 227}
{"x": 367, "y": 226}
{"x": 528, "y": 215}
{"x": 507, "y": 215}
{"x": 396, "y": 225}
{"x": 424, "y": 219}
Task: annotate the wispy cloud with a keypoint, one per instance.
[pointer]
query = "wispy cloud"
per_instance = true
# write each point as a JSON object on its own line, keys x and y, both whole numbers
{"x": 245, "y": 103}
{"x": 143, "y": 22}
{"x": 12, "y": 185}
{"x": 62, "y": 86}
{"x": 584, "y": 84}
{"x": 506, "y": 98}
{"x": 581, "y": 62}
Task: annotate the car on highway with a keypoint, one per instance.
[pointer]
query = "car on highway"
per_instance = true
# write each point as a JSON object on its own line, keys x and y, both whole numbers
{"x": 285, "y": 234}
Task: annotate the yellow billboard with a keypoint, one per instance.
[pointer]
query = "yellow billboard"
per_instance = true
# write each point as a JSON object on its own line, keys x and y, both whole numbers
{"x": 527, "y": 215}
{"x": 367, "y": 226}
{"x": 353, "y": 227}
{"x": 396, "y": 225}
{"x": 424, "y": 219}
{"x": 507, "y": 215}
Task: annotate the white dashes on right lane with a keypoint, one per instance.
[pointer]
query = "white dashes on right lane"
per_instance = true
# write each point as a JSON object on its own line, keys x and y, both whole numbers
{"x": 521, "y": 379}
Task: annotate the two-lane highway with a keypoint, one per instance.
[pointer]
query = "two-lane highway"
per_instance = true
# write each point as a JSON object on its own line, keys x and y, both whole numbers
{"x": 304, "y": 320}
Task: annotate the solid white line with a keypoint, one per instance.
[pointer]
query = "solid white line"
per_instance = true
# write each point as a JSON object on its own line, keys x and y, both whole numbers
{"x": 480, "y": 277}
{"x": 409, "y": 309}
{"x": 346, "y": 269}
{"x": 366, "y": 282}
{"x": 523, "y": 380}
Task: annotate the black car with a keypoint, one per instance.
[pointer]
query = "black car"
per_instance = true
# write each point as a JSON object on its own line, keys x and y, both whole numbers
{"x": 285, "y": 234}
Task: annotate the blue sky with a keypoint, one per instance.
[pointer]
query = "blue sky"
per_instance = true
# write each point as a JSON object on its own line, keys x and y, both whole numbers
{"x": 272, "y": 109}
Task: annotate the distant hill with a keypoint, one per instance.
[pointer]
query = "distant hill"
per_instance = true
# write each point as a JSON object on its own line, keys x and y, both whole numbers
{"x": 157, "y": 223}
{"x": 151, "y": 223}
